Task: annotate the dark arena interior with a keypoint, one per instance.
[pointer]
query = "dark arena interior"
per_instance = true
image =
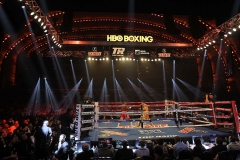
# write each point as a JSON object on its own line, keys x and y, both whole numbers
{"x": 83, "y": 78}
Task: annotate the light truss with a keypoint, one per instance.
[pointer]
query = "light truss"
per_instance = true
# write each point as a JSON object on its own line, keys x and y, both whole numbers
{"x": 34, "y": 7}
{"x": 230, "y": 25}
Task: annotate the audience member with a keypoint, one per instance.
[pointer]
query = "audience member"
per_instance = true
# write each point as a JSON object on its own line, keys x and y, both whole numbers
{"x": 160, "y": 153}
{"x": 86, "y": 154}
{"x": 143, "y": 150}
{"x": 43, "y": 139}
{"x": 9, "y": 151}
{"x": 178, "y": 147}
{"x": 63, "y": 146}
{"x": 24, "y": 147}
{"x": 104, "y": 151}
{"x": 219, "y": 147}
{"x": 220, "y": 156}
{"x": 66, "y": 120}
{"x": 13, "y": 127}
{"x": 234, "y": 144}
{"x": 198, "y": 148}
{"x": 124, "y": 153}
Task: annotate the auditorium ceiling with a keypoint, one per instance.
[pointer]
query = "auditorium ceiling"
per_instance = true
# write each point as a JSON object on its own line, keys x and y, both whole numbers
{"x": 176, "y": 24}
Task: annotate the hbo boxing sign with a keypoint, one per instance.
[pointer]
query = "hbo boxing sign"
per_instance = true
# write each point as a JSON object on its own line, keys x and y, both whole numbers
{"x": 125, "y": 38}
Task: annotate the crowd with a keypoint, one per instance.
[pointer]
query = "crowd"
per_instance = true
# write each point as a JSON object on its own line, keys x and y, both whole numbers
{"x": 47, "y": 136}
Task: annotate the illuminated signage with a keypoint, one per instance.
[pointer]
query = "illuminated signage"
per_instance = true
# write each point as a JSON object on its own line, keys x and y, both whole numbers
{"x": 139, "y": 52}
{"x": 94, "y": 52}
{"x": 118, "y": 51}
{"x": 131, "y": 38}
{"x": 164, "y": 54}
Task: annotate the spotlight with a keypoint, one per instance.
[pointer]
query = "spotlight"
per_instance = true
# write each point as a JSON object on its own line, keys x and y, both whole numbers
{"x": 213, "y": 41}
{"x": 36, "y": 16}
{"x": 229, "y": 32}
{"x": 32, "y": 13}
{"x": 225, "y": 35}
{"x": 23, "y": 6}
{"x": 45, "y": 30}
{"x": 39, "y": 19}
{"x": 234, "y": 29}
{"x": 238, "y": 26}
{"x": 89, "y": 58}
{"x": 44, "y": 26}
{"x": 210, "y": 43}
{"x": 107, "y": 58}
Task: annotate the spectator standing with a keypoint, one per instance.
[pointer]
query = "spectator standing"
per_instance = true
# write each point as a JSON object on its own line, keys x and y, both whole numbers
{"x": 66, "y": 121}
{"x": 42, "y": 141}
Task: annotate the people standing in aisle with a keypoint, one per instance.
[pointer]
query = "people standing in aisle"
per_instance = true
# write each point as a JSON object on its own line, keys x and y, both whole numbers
{"x": 43, "y": 140}
{"x": 66, "y": 121}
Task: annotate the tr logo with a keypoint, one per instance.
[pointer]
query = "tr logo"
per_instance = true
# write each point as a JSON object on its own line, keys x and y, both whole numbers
{"x": 118, "y": 51}
{"x": 94, "y": 49}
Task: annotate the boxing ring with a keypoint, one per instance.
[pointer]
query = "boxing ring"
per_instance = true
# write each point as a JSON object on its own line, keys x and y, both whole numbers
{"x": 168, "y": 119}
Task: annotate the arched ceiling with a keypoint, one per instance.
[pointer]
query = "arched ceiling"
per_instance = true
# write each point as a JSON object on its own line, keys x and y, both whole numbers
{"x": 93, "y": 20}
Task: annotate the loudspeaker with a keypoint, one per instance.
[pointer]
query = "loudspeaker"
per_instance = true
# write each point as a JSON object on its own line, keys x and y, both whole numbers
{"x": 67, "y": 23}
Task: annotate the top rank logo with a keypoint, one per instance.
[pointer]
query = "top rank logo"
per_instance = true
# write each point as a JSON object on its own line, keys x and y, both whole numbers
{"x": 125, "y": 38}
{"x": 118, "y": 51}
